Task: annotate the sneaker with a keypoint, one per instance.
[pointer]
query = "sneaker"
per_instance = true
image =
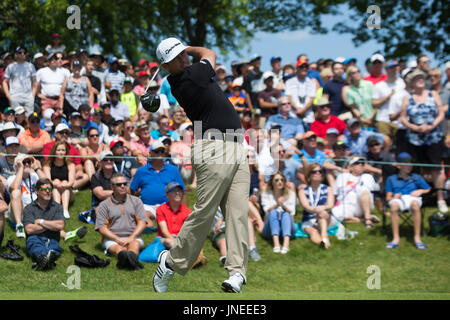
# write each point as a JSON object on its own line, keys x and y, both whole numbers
{"x": 76, "y": 234}
{"x": 276, "y": 249}
{"x": 52, "y": 256}
{"x": 284, "y": 250}
{"x": 254, "y": 255}
{"x": 162, "y": 275}
{"x": 85, "y": 217}
{"x": 66, "y": 214}
{"x": 222, "y": 260}
{"x": 133, "y": 261}
{"x": 20, "y": 231}
{"x": 442, "y": 206}
{"x": 234, "y": 283}
{"x": 41, "y": 262}
{"x": 122, "y": 259}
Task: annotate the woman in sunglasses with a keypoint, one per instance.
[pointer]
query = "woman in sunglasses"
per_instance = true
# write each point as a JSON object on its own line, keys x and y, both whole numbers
{"x": 126, "y": 134}
{"x": 91, "y": 153}
{"x": 61, "y": 171}
{"x": 317, "y": 200}
{"x": 278, "y": 202}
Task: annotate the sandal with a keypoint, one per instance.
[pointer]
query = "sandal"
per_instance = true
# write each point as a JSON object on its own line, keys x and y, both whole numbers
{"x": 324, "y": 244}
{"x": 420, "y": 245}
{"x": 375, "y": 219}
{"x": 368, "y": 223}
{"x": 392, "y": 245}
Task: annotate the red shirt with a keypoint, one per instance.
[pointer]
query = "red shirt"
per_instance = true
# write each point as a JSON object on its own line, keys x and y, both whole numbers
{"x": 320, "y": 128}
{"x": 72, "y": 151}
{"x": 375, "y": 80}
{"x": 173, "y": 219}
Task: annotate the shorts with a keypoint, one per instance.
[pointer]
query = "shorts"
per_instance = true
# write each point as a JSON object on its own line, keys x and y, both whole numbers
{"x": 215, "y": 238}
{"x": 387, "y": 128}
{"x": 344, "y": 210}
{"x": 312, "y": 223}
{"x": 405, "y": 202}
{"x": 108, "y": 243}
{"x": 151, "y": 208}
{"x": 427, "y": 154}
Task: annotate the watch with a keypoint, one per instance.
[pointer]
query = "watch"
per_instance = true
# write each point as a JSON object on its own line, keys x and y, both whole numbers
{"x": 41, "y": 221}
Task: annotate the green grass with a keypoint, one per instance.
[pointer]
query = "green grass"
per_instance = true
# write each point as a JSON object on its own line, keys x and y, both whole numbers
{"x": 306, "y": 272}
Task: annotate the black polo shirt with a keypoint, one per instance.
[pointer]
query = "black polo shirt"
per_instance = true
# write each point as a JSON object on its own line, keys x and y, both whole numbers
{"x": 54, "y": 211}
{"x": 202, "y": 99}
{"x": 99, "y": 180}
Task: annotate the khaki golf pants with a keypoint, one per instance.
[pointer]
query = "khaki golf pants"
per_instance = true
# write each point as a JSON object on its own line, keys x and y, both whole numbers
{"x": 223, "y": 179}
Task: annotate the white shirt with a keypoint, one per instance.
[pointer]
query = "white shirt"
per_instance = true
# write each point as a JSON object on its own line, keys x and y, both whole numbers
{"x": 51, "y": 80}
{"x": 27, "y": 187}
{"x": 120, "y": 111}
{"x": 20, "y": 77}
{"x": 268, "y": 200}
{"x": 346, "y": 182}
{"x": 383, "y": 89}
{"x": 301, "y": 92}
{"x": 395, "y": 105}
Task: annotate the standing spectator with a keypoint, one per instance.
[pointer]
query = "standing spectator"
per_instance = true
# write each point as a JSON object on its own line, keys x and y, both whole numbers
{"x": 7, "y": 59}
{"x": 422, "y": 112}
{"x": 44, "y": 221}
{"x": 317, "y": 200}
{"x": 442, "y": 90}
{"x": 76, "y": 91}
{"x": 275, "y": 63}
{"x": 130, "y": 98}
{"x": 253, "y": 81}
{"x": 39, "y": 60}
{"x": 119, "y": 110}
{"x": 144, "y": 78}
{"x": 358, "y": 97}
{"x": 382, "y": 94}
{"x": 49, "y": 83}
{"x": 121, "y": 221}
{"x": 34, "y": 138}
{"x": 96, "y": 84}
{"x": 268, "y": 98}
{"x": 141, "y": 147}
{"x": 333, "y": 90}
{"x": 423, "y": 64}
{"x": 325, "y": 120}
{"x": 19, "y": 82}
{"x": 61, "y": 171}
{"x": 221, "y": 73}
{"x": 302, "y": 91}
{"x": 114, "y": 77}
{"x": 278, "y": 201}
{"x": 376, "y": 70}
{"x": 56, "y": 45}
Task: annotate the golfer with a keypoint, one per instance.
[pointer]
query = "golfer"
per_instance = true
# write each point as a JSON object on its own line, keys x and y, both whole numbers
{"x": 218, "y": 157}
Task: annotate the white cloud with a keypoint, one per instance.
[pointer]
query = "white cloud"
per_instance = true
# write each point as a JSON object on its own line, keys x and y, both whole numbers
{"x": 293, "y": 35}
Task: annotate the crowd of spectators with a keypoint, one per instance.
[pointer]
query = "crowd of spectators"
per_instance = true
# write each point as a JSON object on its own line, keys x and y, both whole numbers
{"x": 319, "y": 135}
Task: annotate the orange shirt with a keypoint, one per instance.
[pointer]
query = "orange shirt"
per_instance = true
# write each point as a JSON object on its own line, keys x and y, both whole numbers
{"x": 42, "y": 138}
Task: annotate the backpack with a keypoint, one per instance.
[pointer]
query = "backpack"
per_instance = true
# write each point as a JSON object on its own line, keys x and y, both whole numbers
{"x": 83, "y": 259}
{"x": 439, "y": 225}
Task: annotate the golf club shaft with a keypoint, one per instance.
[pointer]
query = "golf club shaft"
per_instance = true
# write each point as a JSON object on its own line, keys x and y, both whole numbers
{"x": 153, "y": 78}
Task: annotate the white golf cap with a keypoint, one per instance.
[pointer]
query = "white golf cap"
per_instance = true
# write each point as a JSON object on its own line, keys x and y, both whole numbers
{"x": 20, "y": 157}
{"x": 377, "y": 57}
{"x": 19, "y": 110}
{"x": 61, "y": 127}
{"x": 105, "y": 153}
{"x": 339, "y": 59}
{"x": 447, "y": 65}
{"x": 11, "y": 140}
{"x": 38, "y": 55}
{"x": 168, "y": 49}
{"x": 266, "y": 75}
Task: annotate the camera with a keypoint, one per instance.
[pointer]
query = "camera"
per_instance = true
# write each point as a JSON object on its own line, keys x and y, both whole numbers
{"x": 150, "y": 102}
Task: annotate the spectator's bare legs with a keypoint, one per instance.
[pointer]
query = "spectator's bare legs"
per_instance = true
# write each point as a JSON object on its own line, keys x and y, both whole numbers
{"x": 89, "y": 168}
{"x": 65, "y": 199}
{"x": 395, "y": 210}
{"x": 17, "y": 205}
{"x": 417, "y": 220}
{"x": 276, "y": 241}
{"x": 168, "y": 242}
{"x": 222, "y": 245}
{"x": 364, "y": 201}
{"x": 314, "y": 235}
{"x": 323, "y": 220}
{"x": 81, "y": 178}
{"x": 150, "y": 219}
{"x": 251, "y": 233}
{"x": 438, "y": 181}
{"x": 286, "y": 240}
{"x": 56, "y": 193}
{"x": 255, "y": 217}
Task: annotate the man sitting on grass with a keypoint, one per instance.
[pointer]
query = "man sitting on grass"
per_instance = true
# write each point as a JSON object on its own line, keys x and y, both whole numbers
{"x": 404, "y": 192}
{"x": 121, "y": 220}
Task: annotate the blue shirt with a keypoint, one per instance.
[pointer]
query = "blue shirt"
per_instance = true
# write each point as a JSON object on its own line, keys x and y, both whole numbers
{"x": 316, "y": 75}
{"x": 165, "y": 89}
{"x": 319, "y": 157}
{"x": 153, "y": 184}
{"x": 358, "y": 145}
{"x": 396, "y": 184}
{"x": 156, "y": 134}
{"x": 289, "y": 126}
{"x": 333, "y": 89}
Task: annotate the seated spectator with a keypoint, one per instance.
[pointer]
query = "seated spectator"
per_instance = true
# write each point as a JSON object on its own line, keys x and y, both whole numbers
{"x": 34, "y": 138}
{"x": 106, "y": 115}
{"x": 9, "y": 116}
{"x": 217, "y": 236}
{"x": 126, "y": 134}
{"x": 163, "y": 130}
{"x": 9, "y": 130}
{"x": 77, "y": 135}
{"x": 76, "y": 90}
{"x": 119, "y": 110}
{"x": 7, "y": 163}
{"x": 121, "y": 221}
{"x": 404, "y": 192}
{"x": 422, "y": 112}
{"x": 101, "y": 180}
{"x": 331, "y": 139}
{"x": 356, "y": 138}
{"x": 325, "y": 120}
{"x": 150, "y": 181}
{"x": 279, "y": 204}
{"x": 310, "y": 151}
{"x": 43, "y": 219}
{"x": 268, "y": 98}
{"x": 171, "y": 215}
{"x": 291, "y": 127}
{"x": 86, "y": 113}
{"x": 141, "y": 147}
{"x": 90, "y": 154}
{"x": 62, "y": 132}
{"x": 61, "y": 171}
{"x": 124, "y": 165}
{"x": 21, "y": 187}
{"x": 336, "y": 163}
{"x": 237, "y": 98}
{"x": 317, "y": 200}
{"x": 353, "y": 190}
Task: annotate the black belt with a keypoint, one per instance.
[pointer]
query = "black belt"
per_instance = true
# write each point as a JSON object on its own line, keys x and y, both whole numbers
{"x": 54, "y": 98}
{"x": 223, "y": 136}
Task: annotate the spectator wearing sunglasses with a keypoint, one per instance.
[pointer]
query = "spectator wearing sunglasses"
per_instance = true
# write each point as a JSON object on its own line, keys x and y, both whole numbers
{"x": 90, "y": 154}
{"x": 19, "y": 82}
{"x": 163, "y": 129}
{"x": 101, "y": 181}
{"x": 34, "y": 138}
{"x": 325, "y": 120}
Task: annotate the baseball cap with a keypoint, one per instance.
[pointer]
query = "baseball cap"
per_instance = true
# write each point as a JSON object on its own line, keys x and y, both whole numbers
{"x": 61, "y": 127}
{"x": 349, "y": 60}
{"x": 254, "y": 57}
{"x": 339, "y": 59}
{"x": 371, "y": 140}
{"x": 266, "y": 75}
{"x": 105, "y": 154}
{"x": 173, "y": 185}
{"x": 237, "y": 82}
{"x": 301, "y": 62}
{"x": 152, "y": 65}
{"x": 356, "y": 159}
{"x": 185, "y": 125}
{"x": 10, "y": 126}
{"x": 157, "y": 145}
{"x": 8, "y": 110}
{"x": 309, "y": 134}
{"x": 20, "y": 110}
{"x": 143, "y": 73}
{"x": 339, "y": 144}
{"x": 274, "y": 59}
{"x": 332, "y": 131}
{"x": 404, "y": 157}
{"x": 123, "y": 62}
{"x": 168, "y": 49}
{"x": 391, "y": 64}
{"x": 55, "y": 35}
{"x": 37, "y": 56}
{"x": 377, "y": 57}
{"x": 142, "y": 124}
{"x": 20, "y": 48}
{"x": 112, "y": 60}
{"x": 11, "y": 140}
{"x": 34, "y": 115}
{"x": 352, "y": 121}
{"x": 142, "y": 62}
{"x": 153, "y": 84}
{"x": 114, "y": 143}
{"x": 76, "y": 63}
{"x": 74, "y": 114}
{"x": 128, "y": 80}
